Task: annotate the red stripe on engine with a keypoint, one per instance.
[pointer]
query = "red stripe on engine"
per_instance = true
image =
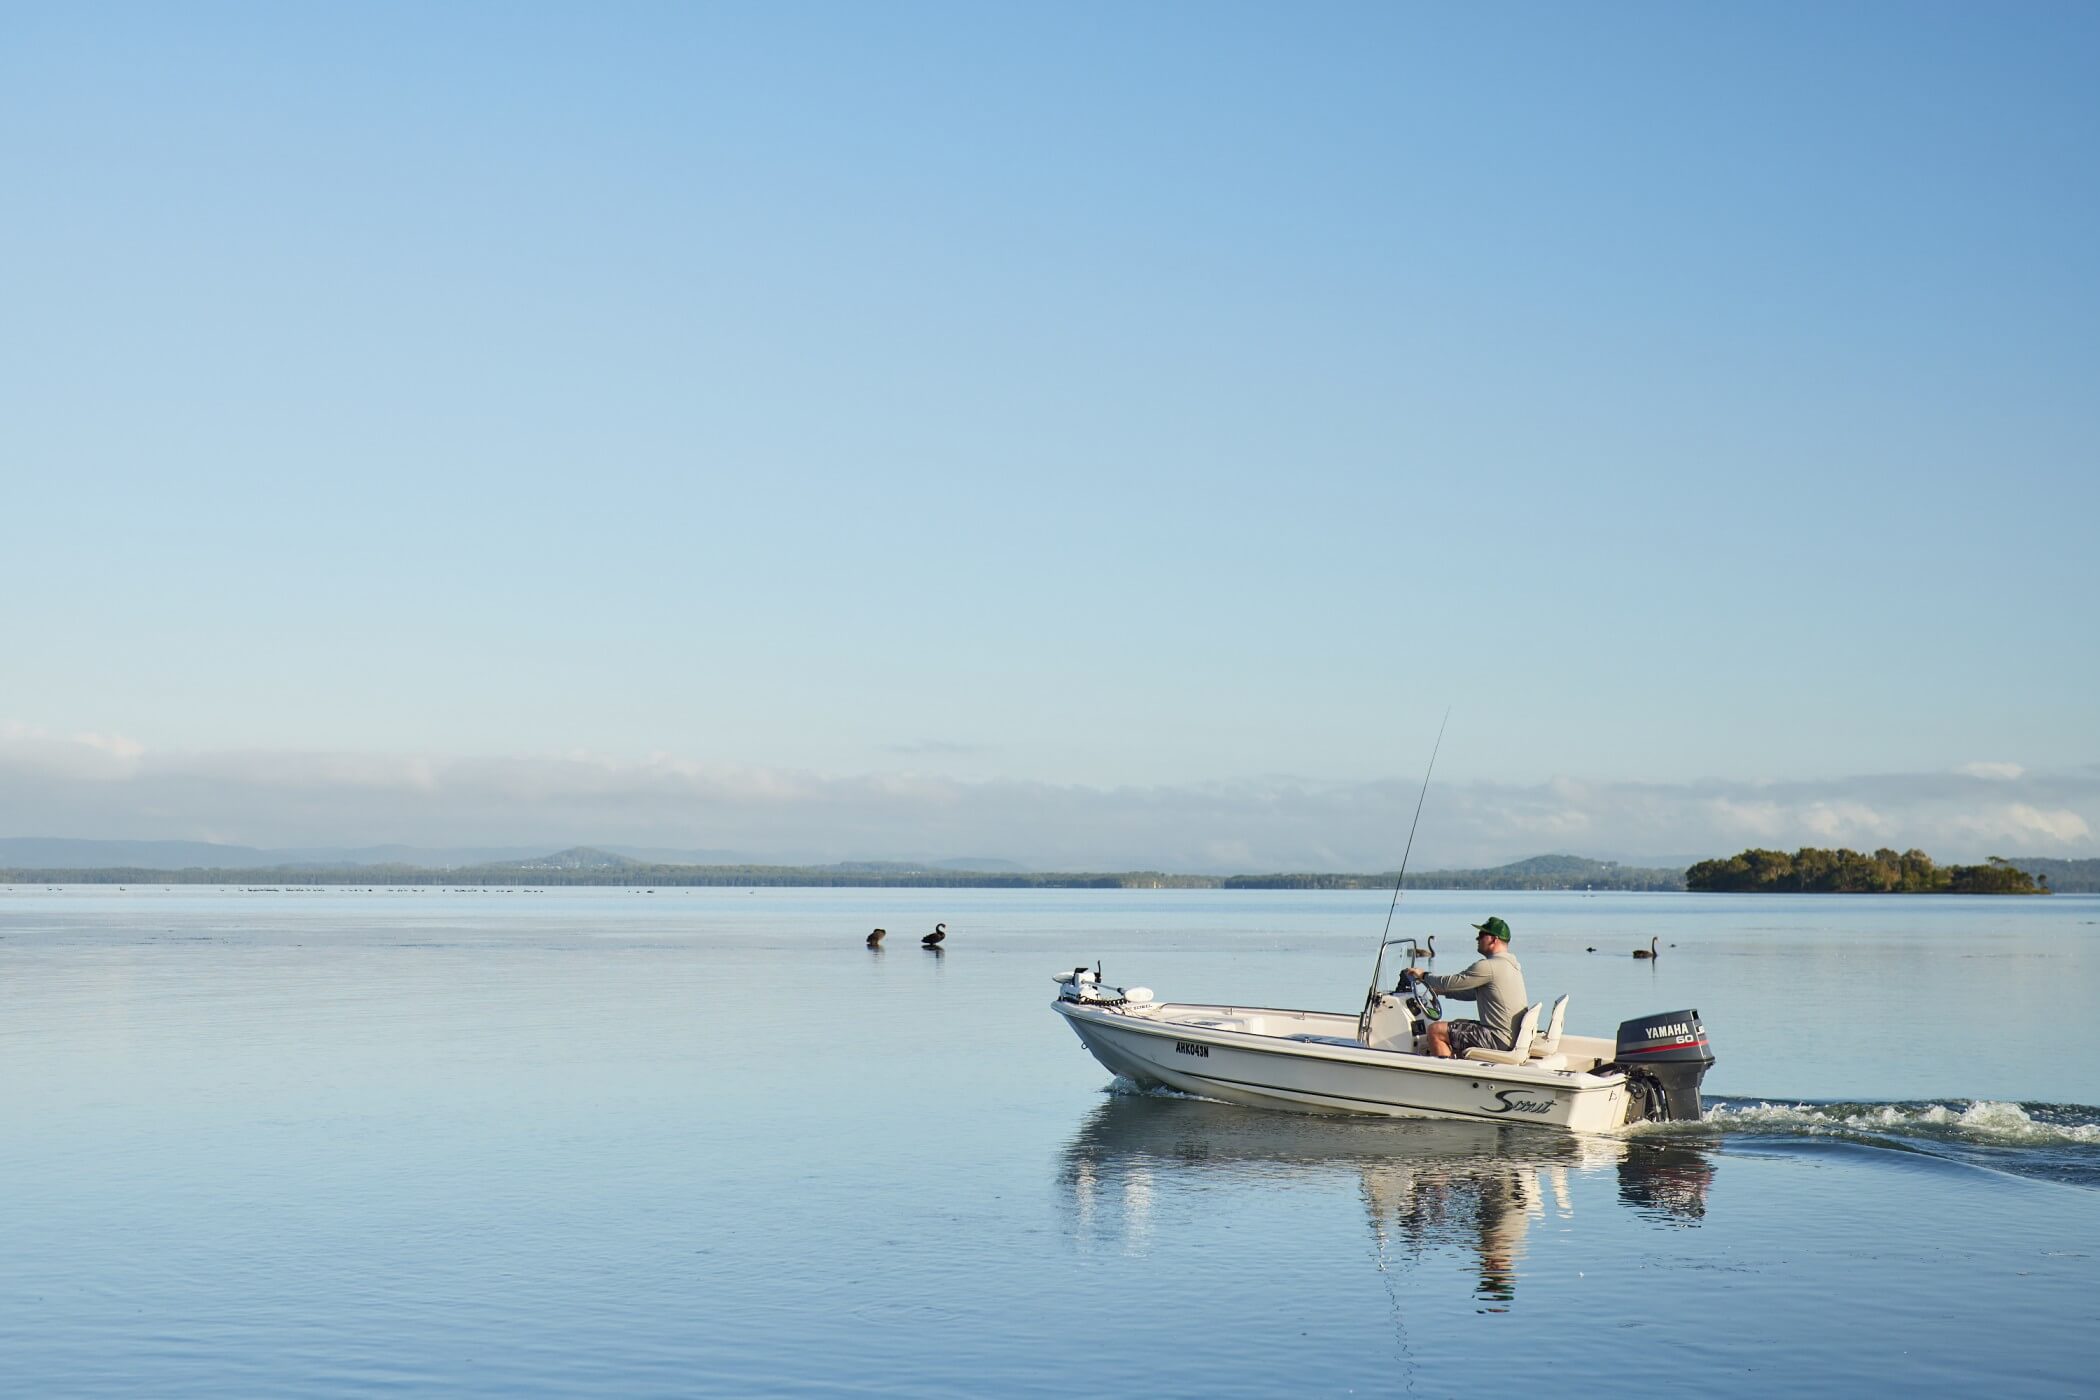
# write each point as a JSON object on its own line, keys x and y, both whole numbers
{"x": 1657, "y": 1049}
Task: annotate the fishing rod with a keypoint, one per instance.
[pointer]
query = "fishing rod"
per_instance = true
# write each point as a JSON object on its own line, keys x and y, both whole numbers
{"x": 1384, "y": 940}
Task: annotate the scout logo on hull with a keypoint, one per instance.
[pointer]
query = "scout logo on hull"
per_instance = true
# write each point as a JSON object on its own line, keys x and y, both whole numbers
{"x": 1514, "y": 1101}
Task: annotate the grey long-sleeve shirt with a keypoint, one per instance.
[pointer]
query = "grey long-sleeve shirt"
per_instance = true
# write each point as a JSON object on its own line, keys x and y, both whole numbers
{"x": 1497, "y": 983}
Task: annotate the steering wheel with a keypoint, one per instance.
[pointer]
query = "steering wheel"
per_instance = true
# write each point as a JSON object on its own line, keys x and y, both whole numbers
{"x": 1421, "y": 1000}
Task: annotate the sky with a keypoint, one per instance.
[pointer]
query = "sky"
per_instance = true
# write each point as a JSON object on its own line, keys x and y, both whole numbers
{"x": 1078, "y": 434}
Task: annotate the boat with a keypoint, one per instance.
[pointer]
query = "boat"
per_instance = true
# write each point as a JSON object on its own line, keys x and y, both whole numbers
{"x": 1377, "y": 1061}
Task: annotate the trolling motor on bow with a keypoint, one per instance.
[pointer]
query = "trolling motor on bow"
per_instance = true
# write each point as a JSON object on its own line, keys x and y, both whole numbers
{"x": 1082, "y": 985}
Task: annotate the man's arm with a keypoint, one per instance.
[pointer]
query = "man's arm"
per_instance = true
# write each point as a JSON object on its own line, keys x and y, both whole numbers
{"x": 1463, "y": 985}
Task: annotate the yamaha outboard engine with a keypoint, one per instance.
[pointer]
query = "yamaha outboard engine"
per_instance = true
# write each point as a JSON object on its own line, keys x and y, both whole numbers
{"x": 1664, "y": 1057}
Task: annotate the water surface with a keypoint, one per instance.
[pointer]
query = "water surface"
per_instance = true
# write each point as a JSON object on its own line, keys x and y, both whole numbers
{"x": 705, "y": 1141}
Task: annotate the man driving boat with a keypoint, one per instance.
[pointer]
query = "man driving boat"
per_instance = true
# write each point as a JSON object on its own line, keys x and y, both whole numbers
{"x": 1496, "y": 982}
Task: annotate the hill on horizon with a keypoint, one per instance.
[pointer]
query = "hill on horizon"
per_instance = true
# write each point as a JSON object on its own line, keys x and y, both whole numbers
{"x": 84, "y": 853}
{"x": 81, "y": 853}
{"x": 45, "y": 857}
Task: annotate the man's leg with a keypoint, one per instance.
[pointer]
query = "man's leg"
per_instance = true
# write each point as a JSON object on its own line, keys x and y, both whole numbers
{"x": 1440, "y": 1040}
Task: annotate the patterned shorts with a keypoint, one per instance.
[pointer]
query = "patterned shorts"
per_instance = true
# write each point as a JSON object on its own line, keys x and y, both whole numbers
{"x": 1471, "y": 1035}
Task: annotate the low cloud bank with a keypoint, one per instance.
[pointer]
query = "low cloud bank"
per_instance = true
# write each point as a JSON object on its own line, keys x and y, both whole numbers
{"x": 98, "y": 786}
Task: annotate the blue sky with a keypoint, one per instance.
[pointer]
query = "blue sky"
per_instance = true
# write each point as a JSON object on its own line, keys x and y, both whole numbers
{"x": 1143, "y": 418}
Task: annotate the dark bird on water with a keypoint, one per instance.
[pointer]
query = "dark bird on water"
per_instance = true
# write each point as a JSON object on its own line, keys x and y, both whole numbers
{"x": 933, "y": 940}
{"x": 1589, "y": 950}
{"x": 1417, "y": 954}
{"x": 1649, "y": 951}
{"x": 875, "y": 938}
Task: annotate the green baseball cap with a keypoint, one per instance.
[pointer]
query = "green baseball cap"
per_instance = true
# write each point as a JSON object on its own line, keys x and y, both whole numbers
{"x": 1495, "y": 927}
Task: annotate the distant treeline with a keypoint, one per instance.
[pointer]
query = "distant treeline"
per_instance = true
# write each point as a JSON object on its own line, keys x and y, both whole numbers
{"x": 1562, "y": 873}
{"x": 588, "y": 867}
{"x": 749, "y": 876}
{"x": 1811, "y": 870}
{"x": 2064, "y": 876}
{"x": 1537, "y": 873}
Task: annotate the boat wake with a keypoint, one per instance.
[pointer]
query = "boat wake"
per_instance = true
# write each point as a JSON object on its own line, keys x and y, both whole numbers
{"x": 2050, "y": 1141}
{"x": 2046, "y": 1141}
{"x": 1124, "y": 1087}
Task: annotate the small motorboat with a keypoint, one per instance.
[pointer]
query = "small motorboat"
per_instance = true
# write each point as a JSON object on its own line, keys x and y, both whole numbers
{"x": 1378, "y": 1061}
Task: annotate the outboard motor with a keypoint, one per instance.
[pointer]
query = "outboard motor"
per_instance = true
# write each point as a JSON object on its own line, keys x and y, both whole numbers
{"x": 1665, "y": 1057}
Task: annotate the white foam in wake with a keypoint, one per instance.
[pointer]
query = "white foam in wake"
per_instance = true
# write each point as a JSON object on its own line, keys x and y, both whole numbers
{"x": 1122, "y": 1086}
{"x": 1984, "y": 1120}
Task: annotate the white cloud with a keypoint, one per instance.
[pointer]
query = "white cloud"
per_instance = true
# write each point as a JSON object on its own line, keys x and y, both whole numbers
{"x": 115, "y": 745}
{"x": 1557, "y": 823}
{"x": 1998, "y": 771}
{"x": 83, "y": 756}
{"x": 1762, "y": 820}
{"x": 2017, "y": 823}
{"x": 100, "y": 786}
{"x": 1844, "y": 823}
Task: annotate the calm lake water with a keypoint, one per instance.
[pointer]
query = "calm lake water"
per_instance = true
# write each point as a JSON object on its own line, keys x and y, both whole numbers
{"x": 705, "y": 1142}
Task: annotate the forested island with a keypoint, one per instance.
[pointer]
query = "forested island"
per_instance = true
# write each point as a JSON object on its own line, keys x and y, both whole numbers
{"x": 1811, "y": 870}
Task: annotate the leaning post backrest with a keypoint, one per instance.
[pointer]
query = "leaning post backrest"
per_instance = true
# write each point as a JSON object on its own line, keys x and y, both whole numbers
{"x": 1548, "y": 1042}
{"x": 1527, "y": 1028}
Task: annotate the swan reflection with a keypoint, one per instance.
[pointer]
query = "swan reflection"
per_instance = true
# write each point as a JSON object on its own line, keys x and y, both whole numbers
{"x": 1427, "y": 1187}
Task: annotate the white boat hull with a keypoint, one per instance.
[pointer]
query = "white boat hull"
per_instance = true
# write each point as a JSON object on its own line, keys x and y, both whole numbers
{"x": 1256, "y": 1057}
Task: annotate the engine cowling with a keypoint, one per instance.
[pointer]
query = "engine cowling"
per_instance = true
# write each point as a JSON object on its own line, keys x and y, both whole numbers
{"x": 1666, "y": 1056}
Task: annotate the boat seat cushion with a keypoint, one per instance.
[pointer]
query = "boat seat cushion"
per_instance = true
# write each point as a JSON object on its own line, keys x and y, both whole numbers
{"x": 1548, "y": 1041}
{"x": 1520, "y": 1047}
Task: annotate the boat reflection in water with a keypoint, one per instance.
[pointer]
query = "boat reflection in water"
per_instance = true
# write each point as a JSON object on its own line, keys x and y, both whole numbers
{"x": 1428, "y": 1186}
